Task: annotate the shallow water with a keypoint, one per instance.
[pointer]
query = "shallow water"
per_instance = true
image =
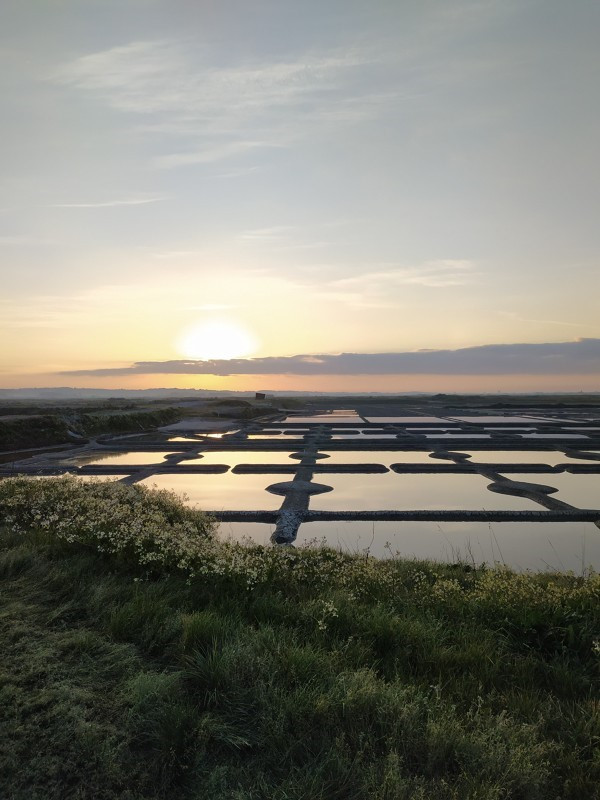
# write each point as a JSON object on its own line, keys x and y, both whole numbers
{"x": 257, "y": 532}
{"x": 126, "y": 459}
{"x": 491, "y": 420}
{"x": 520, "y": 545}
{"x": 582, "y": 491}
{"x": 457, "y": 435}
{"x": 506, "y": 428}
{"x": 323, "y": 419}
{"x": 368, "y": 435}
{"x": 385, "y": 457}
{"x": 551, "y": 436}
{"x": 233, "y": 457}
{"x": 407, "y": 420}
{"x": 220, "y": 492}
{"x": 430, "y": 430}
{"x": 356, "y": 492}
{"x": 275, "y": 438}
{"x": 522, "y": 457}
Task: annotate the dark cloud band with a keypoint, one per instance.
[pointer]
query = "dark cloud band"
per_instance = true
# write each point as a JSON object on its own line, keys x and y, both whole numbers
{"x": 581, "y": 357}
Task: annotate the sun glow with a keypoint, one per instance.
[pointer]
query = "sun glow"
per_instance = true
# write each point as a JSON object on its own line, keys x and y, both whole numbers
{"x": 216, "y": 340}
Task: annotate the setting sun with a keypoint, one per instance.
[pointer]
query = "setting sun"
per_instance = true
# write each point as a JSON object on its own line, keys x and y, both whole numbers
{"x": 214, "y": 340}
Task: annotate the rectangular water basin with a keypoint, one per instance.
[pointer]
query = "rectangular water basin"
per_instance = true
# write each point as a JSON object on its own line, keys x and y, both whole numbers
{"x": 263, "y": 436}
{"x": 133, "y": 459}
{"x": 581, "y": 491}
{"x": 323, "y": 419}
{"x": 385, "y": 457}
{"x": 510, "y": 420}
{"x": 520, "y": 545}
{"x": 391, "y": 491}
{"x": 233, "y": 457}
{"x": 219, "y": 435}
{"x": 552, "y": 458}
{"x": 367, "y": 435}
{"x": 408, "y": 420}
{"x": 226, "y": 492}
{"x": 550, "y": 436}
{"x": 457, "y": 435}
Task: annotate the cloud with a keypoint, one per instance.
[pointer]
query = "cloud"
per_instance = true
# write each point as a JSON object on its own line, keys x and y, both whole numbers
{"x": 580, "y": 357}
{"x": 210, "y": 155}
{"x": 436, "y": 274}
{"x": 173, "y": 92}
{"x": 156, "y": 76}
{"x": 274, "y": 233}
{"x": 110, "y": 203}
{"x": 382, "y": 286}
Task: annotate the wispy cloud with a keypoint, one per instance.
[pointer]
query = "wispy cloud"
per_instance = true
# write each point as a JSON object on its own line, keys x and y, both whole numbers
{"x": 238, "y": 173}
{"x": 142, "y": 201}
{"x": 580, "y": 357}
{"x": 563, "y": 323}
{"x": 275, "y": 233}
{"x": 157, "y": 76}
{"x": 176, "y": 93}
{"x": 381, "y": 286}
{"x": 435, "y": 274}
{"x": 209, "y": 155}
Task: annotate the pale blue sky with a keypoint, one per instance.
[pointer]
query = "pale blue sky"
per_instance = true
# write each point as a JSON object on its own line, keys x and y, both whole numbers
{"x": 332, "y": 176}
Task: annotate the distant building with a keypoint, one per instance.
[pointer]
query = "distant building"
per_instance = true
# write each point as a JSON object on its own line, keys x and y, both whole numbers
{"x": 262, "y": 396}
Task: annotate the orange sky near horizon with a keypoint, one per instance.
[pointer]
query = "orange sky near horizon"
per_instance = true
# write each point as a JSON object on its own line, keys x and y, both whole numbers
{"x": 451, "y": 384}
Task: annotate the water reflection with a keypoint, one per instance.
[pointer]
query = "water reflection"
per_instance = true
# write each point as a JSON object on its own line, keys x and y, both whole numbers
{"x": 582, "y": 491}
{"x": 299, "y": 435}
{"x": 233, "y": 457}
{"x": 133, "y": 459}
{"x": 385, "y": 457}
{"x": 457, "y": 435}
{"x": 408, "y": 420}
{"x": 551, "y": 458}
{"x": 256, "y": 532}
{"x": 550, "y": 436}
{"x": 520, "y": 545}
{"x": 220, "y": 492}
{"x": 323, "y": 419}
{"x": 355, "y": 492}
{"x": 509, "y": 419}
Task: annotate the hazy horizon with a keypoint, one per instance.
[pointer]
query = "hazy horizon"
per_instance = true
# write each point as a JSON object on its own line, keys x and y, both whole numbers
{"x": 386, "y": 197}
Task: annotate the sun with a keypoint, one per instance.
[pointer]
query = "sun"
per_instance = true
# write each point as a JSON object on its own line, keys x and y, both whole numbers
{"x": 216, "y": 340}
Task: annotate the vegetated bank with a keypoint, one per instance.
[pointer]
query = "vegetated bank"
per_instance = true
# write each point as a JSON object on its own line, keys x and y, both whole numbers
{"x": 48, "y": 426}
{"x": 144, "y": 658}
{"x": 52, "y": 429}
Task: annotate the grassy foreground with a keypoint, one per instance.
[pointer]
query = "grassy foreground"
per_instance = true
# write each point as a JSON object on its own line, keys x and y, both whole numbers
{"x": 142, "y": 658}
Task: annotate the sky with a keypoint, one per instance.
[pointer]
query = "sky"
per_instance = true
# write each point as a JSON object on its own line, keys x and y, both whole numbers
{"x": 273, "y": 194}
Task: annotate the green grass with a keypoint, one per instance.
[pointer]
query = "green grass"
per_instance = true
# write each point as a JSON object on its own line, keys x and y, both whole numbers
{"x": 287, "y": 675}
